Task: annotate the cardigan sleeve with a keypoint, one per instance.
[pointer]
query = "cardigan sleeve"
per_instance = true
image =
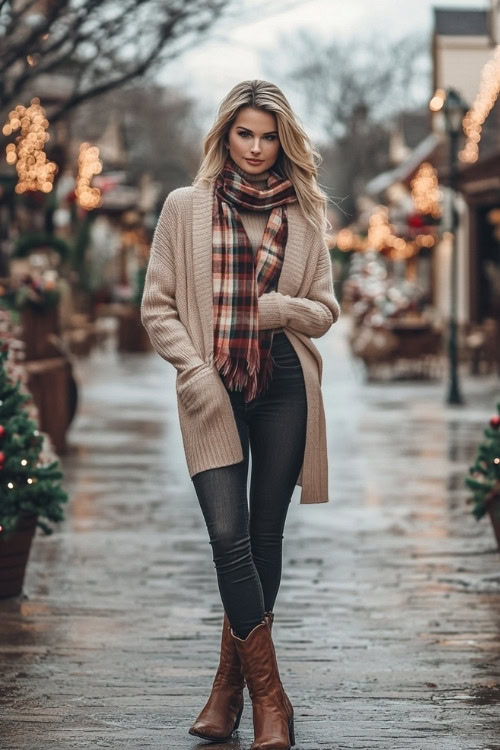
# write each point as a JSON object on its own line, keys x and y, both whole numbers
{"x": 312, "y": 315}
{"x": 159, "y": 315}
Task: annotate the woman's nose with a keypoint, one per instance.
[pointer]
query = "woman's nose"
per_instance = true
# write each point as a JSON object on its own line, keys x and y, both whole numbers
{"x": 255, "y": 147}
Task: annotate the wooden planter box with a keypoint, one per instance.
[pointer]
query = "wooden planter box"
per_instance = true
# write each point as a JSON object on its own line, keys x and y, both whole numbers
{"x": 494, "y": 514}
{"x": 54, "y": 391}
{"x": 14, "y": 553}
{"x": 132, "y": 336}
{"x": 39, "y": 326}
{"x": 413, "y": 343}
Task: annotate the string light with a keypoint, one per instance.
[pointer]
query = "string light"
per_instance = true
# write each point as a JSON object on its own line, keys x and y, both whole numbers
{"x": 347, "y": 240}
{"x": 33, "y": 169}
{"x": 437, "y": 101}
{"x": 381, "y": 238}
{"x": 24, "y": 462}
{"x": 425, "y": 191}
{"x": 489, "y": 88}
{"x": 380, "y": 234}
{"x": 10, "y": 486}
{"x": 425, "y": 240}
{"x": 89, "y": 165}
{"x": 29, "y": 480}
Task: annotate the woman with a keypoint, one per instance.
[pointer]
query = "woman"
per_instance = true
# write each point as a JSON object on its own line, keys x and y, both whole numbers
{"x": 239, "y": 281}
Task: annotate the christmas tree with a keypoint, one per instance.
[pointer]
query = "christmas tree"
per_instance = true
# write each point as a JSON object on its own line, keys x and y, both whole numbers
{"x": 485, "y": 473}
{"x": 29, "y": 483}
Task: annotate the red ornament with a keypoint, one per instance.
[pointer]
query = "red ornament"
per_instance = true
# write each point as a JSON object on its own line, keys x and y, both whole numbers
{"x": 2, "y": 430}
{"x": 2, "y": 459}
{"x": 495, "y": 422}
{"x": 416, "y": 221}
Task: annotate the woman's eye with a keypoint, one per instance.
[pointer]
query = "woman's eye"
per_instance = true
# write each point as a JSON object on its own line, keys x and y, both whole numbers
{"x": 267, "y": 137}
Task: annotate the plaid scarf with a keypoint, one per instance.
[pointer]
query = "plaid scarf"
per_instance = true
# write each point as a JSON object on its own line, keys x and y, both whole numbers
{"x": 242, "y": 353}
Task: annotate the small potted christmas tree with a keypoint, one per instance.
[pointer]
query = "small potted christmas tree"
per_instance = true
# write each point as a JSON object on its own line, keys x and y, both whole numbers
{"x": 30, "y": 491}
{"x": 485, "y": 476}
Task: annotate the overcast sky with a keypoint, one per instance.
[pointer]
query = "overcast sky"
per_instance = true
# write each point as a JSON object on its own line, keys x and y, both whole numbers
{"x": 236, "y": 50}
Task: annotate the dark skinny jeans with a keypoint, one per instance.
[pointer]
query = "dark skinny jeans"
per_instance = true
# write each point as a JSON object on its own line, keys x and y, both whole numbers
{"x": 247, "y": 541}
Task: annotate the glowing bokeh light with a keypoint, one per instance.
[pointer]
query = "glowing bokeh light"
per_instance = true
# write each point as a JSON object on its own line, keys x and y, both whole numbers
{"x": 89, "y": 165}
{"x": 489, "y": 88}
{"x": 27, "y": 153}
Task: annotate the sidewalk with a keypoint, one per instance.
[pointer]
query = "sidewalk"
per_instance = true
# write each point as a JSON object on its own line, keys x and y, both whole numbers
{"x": 387, "y": 622}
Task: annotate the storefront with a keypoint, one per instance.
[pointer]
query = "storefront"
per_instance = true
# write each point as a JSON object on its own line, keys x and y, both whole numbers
{"x": 480, "y": 188}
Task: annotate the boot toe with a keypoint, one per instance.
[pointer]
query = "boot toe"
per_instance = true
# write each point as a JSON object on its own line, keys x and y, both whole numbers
{"x": 270, "y": 743}
{"x": 207, "y": 731}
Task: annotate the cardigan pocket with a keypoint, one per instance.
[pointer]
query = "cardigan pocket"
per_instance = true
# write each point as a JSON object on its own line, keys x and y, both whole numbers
{"x": 194, "y": 393}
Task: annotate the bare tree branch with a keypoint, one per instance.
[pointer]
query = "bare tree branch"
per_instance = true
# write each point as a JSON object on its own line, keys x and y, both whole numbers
{"x": 339, "y": 78}
{"x": 352, "y": 90}
{"x": 95, "y": 45}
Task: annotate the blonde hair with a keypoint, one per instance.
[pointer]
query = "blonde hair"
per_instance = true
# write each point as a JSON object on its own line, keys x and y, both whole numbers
{"x": 298, "y": 160}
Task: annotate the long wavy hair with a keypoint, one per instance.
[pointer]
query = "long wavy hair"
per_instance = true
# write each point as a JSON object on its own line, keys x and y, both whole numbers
{"x": 298, "y": 159}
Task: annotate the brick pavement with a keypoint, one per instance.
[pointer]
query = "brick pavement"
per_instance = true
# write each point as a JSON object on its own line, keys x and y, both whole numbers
{"x": 388, "y": 617}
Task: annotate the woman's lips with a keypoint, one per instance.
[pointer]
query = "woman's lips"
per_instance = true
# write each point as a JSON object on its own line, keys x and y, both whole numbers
{"x": 255, "y": 161}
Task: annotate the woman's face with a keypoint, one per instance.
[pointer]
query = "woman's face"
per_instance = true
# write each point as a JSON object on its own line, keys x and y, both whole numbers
{"x": 253, "y": 140}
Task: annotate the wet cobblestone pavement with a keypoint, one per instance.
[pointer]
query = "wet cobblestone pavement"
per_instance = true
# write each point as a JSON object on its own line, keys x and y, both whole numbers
{"x": 387, "y": 623}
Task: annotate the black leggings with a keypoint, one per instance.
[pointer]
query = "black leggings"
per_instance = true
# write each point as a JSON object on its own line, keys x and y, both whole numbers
{"x": 247, "y": 542}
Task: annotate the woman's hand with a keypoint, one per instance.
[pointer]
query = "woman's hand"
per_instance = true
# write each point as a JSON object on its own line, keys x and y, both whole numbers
{"x": 201, "y": 391}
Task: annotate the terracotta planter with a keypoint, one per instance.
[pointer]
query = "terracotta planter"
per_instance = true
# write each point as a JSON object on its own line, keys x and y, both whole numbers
{"x": 14, "y": 553}
{"x": 494, "y": 513}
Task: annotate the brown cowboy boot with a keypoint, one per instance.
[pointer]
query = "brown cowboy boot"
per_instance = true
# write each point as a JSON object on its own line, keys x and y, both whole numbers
{"x": 221, "y": 715}
{"x": 272, "y": 710}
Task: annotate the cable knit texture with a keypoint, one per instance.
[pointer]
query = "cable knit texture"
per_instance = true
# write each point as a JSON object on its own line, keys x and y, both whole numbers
{"x": 176, "y": 310}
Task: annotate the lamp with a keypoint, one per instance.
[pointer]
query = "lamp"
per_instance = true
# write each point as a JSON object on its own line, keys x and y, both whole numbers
{"x": 454, "y": 109}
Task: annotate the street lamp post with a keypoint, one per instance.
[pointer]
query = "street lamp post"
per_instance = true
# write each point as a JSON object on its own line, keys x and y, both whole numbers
{"x": 454, "y": 110}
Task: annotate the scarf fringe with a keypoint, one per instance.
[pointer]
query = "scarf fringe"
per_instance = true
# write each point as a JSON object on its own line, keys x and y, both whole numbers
{"x": 236, "y": 372}
{"x": 254, "y": 380}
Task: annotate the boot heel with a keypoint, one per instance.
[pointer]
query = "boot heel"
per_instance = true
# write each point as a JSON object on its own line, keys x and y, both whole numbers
{"x": 237, "y": 722}
{"x": 291, "y": 730}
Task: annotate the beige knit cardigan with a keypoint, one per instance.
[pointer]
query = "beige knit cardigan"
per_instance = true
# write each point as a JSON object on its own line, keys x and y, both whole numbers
{"x": 176, "y": 310}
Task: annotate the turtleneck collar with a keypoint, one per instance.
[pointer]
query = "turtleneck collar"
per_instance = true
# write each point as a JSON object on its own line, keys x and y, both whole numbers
{"x": 259, "y": 180}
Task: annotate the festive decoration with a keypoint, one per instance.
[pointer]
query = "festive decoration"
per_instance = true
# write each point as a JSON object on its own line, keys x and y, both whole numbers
{"x": 374, "y": 296}
{"x": 381, "y": 237}
{"x": 390, "y": 327}
{"x": 484, "y": 102}
{"x": 30, "y": 479}
{"x": 27, "y": 153}
{"x": 484, "y": 479}
{"x": 88, "y": 165}
{"x": 38, "y": 290}
{"x": 32, "y": 242}
{"x": 425, "y": 191}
